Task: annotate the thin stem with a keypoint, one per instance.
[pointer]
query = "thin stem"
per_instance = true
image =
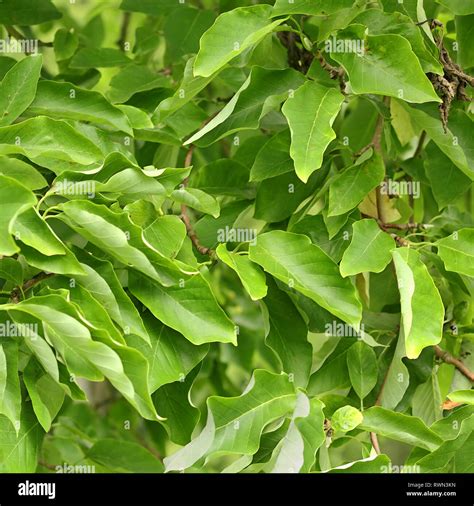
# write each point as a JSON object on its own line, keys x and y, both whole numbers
{"x": 446, "y": 357}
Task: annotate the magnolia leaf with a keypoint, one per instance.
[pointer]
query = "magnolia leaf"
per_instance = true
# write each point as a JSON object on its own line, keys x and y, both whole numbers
{"x": 310, "y": 112}
{"x": 232, "y": 33}
{"x": 250, "y": 274}
{"x": 292, "y": 259}
{"x": 18, "y": 88}
{"x": 456, "y": 251}
{"x": 369, "y": 250}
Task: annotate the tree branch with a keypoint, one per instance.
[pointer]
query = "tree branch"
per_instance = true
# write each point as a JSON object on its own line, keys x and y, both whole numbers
{"x": 184, "y": 213}
{"x": 17, "y": 292}
{"x": 446, "y": 357}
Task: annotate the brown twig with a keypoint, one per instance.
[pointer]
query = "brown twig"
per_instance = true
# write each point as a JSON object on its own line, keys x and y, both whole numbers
{"x": 375, "y": 443}
{"x": 334, "y": 72}
{"x": 446, "y": 357}
{"x": 184, "y": 212}
{"x": 19, "y": 290}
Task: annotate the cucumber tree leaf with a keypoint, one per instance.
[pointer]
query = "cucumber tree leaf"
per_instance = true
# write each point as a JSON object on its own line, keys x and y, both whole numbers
{"x": 232, "y": 33}
{"x": 292, "y": 259}
{"x": 250, "y": 274}
{"x": 457, "y": 251}
{"x": 386, "y": 65}
{"x": 18, "y": 88}
{"x": 369, "y": 250}
{"x": 310, "y": 112}
{"x": 421, "y": 304}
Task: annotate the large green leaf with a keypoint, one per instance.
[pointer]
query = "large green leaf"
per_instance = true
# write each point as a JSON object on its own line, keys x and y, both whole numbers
{"x": 263, "y": 90}
{"x": 249, "y": 273}
{"x": 386, "y": 65}
{"x": 235, "y": 424}
{"x": 369, "y": 250}
{"x": 46, "y": 141}
{"x": 21, "y": 12}
{"x": 10, "y": 402}
{"x": 188, "y": 307}
{"x": 309, "y": 7}
{"x": 18, "y": 88}
{"x": 362, "y": 366}
{"x": 421, "y": 304}
{"x": 457, "y": 251}
{"x": 15, "y": 199}
{"x": 66, "y": 101}
{"x": 19, "y": 452}
{"x": 124, "y": 456}
{"x": 287, "y": 335}
{"x": 310, "y": 112}
{"x": 232, "y": 33}
{"x": 349, "y": 188}
{"x": 405, "y": 428}
{"x": 292, "y": 258}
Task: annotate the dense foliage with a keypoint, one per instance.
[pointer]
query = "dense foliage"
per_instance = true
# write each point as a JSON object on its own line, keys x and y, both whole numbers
{"x": 236, "y": 236}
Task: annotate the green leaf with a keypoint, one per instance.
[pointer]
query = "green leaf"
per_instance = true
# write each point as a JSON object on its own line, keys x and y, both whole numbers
{"x": 386, "y": 65}
{"x": 189, "y": 308}
{"x": 462, "y": 396}
{"x": 32, "y": 230}
{"x": 66, "y": 101}
{"x": 117, "y": 235}
{"x": 103, "y": 57}
{"x": 21, "y": 12}
{"x": 362, "y": 366}
{"x": 464, "y": 38}
{"x": 273, "y": 159}
{"x": 170, "y": 355}
{"x": 235, "y": 424}
{"x": 287, "y": 334}
{"x": 48, "y": 142}
{"x": 124, "y": 457}
{"x": 309, "y": 7}
{"x": 451, "y": 452}
{"x": 231, "y": 34}
{"x": 296, "y": 452}
{"x": 349, "y": 188}
{"x": 65, "y": 43}
{"x": 407, "y": 429}
{"x": 18, "y": 88}
{"x": 456, "y": 251}
{"x": 396, "y": 23}
{"x": 292, "y": 258}
{"x": 173, "y": 401}
{"x": 421, "y": 304}
{"x": 166, "y": 234}
{"x": 447, "y": 181}
{"x": 19, "y": 452}
{"x": 310, "y": 112}
{"x": 369, "y": 250}
{"x": 46, "y": 395}
{"x": 426, "y": 402}
{"x": 460, "y": 7}
{"x": 197, "y": 199}
{"x": 249, "y": 273}
{"x": 10, "y": 402}
{"x": 263, "y": 90}
{"x": 15, "y": 199}
{"x": 23, "y": 172}
{"x": 455, "y": 143}
{"x": 346, "y": 419}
